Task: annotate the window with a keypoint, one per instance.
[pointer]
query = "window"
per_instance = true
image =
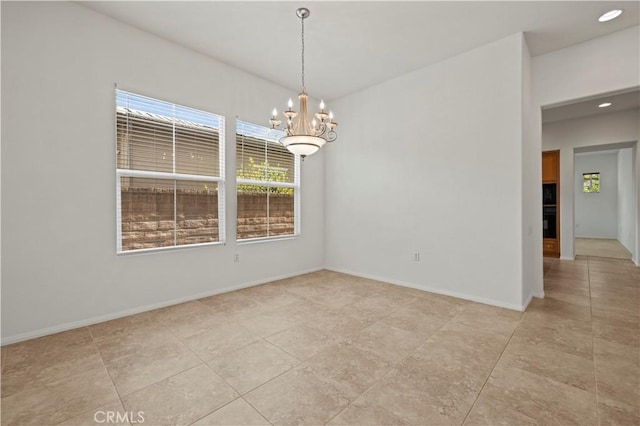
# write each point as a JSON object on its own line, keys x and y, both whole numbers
{"x": 591, "y": 182}
{"x": 170, "y": 174}
{"x": 268, "y": 184}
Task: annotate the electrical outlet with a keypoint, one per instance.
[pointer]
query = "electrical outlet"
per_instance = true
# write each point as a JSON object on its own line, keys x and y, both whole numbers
{"x": 236, "y": 258}
{"x": 416, "y": 256}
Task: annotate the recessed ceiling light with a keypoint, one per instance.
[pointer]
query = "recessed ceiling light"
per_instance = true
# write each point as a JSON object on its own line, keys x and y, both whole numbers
{"x": 612, "y": 14}
{"x": 604, "y": 105}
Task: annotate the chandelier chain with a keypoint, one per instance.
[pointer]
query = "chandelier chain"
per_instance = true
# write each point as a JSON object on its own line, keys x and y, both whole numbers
{"x": 302, "y": 53}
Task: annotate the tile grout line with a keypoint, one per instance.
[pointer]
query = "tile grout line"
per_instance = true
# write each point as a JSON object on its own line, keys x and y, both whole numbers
{"x": 211, "y": 412}
{"x": 300, "y": 362}
{"x": 494, "y": 367}
{"x": 376, "y": 381}
{"x": 240, "y": 395}
{"x": 151, "y": 384}
{"x": 593, "y": 349}
{"x": 394, "y": 365}
{"x": 255, "y": 408}
{"x": 269, "y": 342}
{"x": 104, "y": 365}
{"x": 292, "y": 368}
{"x": 202, "y": 362}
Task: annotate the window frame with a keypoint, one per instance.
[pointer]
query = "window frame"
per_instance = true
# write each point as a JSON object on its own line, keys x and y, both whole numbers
{"x": 271, "y": 136}
{"x": 171, "y": 177}
{"x": 590, "y": 186}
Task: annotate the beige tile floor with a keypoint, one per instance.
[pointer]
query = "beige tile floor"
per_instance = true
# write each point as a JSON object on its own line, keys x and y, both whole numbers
{"x": 327, "y": 348}
{"x": 601, "y": 247}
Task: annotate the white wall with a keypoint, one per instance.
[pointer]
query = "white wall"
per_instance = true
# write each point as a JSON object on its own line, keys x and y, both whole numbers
{"x": 636, "y": 171}
{"x": 627, "y": 206}
{"x": 431, "y": 162}
{"x": 568, "y": 135}
{"x": 596, "y": 214}
{"x": 59, "y": 65}
{"x": 532, "y": 268}
{"x": 602, "y": 65}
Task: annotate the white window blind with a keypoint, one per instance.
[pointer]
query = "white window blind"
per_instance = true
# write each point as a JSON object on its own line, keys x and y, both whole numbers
{"x": 170, "y": 174}
{"x": 268, "y": 184}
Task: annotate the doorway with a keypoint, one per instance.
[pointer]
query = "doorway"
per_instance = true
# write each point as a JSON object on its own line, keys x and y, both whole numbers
{"x": 604, "y": 200}
{"x": 583, "y": 131}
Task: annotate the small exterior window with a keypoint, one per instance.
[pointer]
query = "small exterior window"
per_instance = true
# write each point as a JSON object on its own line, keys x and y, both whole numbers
{"x": 268, "y": 182}
{"x": 170, "y": 174}
{"x": 591, "y": 182}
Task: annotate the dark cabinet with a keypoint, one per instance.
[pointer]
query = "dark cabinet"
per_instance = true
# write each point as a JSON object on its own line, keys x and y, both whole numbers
{"x": 551, "y": 203}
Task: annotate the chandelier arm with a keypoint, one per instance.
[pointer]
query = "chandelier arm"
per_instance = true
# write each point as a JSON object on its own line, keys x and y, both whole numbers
{"x": 322, "y": 129}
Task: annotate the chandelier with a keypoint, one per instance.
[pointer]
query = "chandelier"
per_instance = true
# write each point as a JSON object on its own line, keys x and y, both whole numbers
{"x": 303, "y": 136}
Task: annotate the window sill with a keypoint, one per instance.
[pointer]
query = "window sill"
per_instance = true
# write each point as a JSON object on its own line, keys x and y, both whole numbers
{"x": 168, "y": 249}
{"x": 267, "y": 239}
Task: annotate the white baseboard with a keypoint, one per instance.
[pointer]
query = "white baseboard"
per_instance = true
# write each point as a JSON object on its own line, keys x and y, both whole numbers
{"x": 429, "y": 289}
{"x": 567, "y": 258}
{"x": 537, "y": 295}
{"x": 115, "y": 315}
{"x": 526, "y": 303}
{"x": 597, "y": 238}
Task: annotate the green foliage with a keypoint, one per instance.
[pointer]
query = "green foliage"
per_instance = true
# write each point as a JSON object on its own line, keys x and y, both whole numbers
{"x": 591, "y": 182}
{"x": 263, "y": 171}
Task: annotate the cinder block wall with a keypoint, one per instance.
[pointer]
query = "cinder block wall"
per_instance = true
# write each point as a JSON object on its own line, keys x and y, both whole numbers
{"x": 147, "y": 216}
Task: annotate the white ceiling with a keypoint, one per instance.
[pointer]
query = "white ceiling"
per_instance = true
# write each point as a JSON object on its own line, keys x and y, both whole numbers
{"x": 354, "y": 45}
{"x": 619, "y": 102}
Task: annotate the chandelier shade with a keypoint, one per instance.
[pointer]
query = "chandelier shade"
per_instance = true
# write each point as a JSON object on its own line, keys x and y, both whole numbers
{"x": 303, "y": 145}
{"x": 305, "y": 136}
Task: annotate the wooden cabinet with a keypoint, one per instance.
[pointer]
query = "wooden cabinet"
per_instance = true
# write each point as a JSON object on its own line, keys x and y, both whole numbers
{"x": 551, "y": 203}
{"x": 550, "y": 246}
{"x": 550, "y": 166}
